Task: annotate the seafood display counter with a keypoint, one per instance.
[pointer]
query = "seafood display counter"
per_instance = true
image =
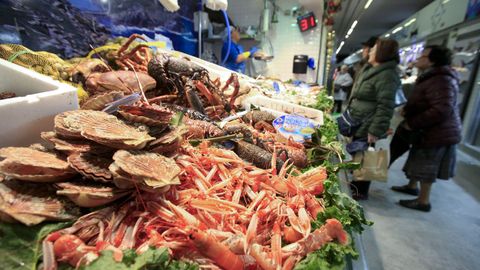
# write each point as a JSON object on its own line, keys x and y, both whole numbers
{"x": 163, "y": 168}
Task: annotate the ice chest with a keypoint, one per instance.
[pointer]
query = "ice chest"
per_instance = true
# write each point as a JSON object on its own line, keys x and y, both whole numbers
{"x": 39, "y": 99}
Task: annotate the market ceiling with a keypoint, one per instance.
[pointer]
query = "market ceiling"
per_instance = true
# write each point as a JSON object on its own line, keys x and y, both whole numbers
{"x": 378, "y": 18}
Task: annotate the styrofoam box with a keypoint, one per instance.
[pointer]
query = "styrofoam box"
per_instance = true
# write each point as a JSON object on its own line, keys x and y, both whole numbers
{"x": 280, "y": 107}
{"x": 215, "y": 71}
{"x": 39, "y": 99}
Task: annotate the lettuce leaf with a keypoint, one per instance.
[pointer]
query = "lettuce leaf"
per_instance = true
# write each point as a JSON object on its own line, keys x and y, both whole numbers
{"x": 21, "y": 246}
{"x": 330, "y": 257}
{"x": 151, "y": 259}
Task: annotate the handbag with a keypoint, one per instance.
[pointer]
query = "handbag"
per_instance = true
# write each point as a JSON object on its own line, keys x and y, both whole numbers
{"x": 373, "y": 165}
{"x": 347, "y": 125}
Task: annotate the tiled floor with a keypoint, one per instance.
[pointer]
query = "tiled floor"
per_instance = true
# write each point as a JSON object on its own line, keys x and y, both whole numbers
{"x": 448, "y": 237}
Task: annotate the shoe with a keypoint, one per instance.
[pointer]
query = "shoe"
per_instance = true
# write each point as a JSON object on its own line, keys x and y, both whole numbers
{"x": 414, "y": 204}
{"x": 359, "y": 197}
{"x": 405, "y": 189}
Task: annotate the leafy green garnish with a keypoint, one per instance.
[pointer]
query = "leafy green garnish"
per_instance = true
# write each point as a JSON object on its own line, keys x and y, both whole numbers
{"x": 330, "y": 257}
{"x": 339, "y": 205}
{"x": 150, "y": 259}
{"x": 323, "y": 102}
{"x": 177, "y": 119}
{"x": 21, "y": 246}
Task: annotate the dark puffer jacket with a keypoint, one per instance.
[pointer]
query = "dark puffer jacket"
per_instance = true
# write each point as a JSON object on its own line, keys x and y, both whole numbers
{"x": 373, "y": 98}
{"x": 432, "y": 108}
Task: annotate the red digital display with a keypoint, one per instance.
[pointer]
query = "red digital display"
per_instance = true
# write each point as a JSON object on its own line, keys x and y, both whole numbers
{"x": 306, "y": 22}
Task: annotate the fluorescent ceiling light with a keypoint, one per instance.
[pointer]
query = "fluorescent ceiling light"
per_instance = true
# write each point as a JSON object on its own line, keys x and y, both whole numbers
{"x": 397, "y": 29}
{"x": 368, "y": 3}
{"x": 347, "y": 36}
{"x": 387, "y": 35}
{"x": 352, "y": 27}
{"x": 340, "y": 47}
{"x": 410, "y": 22}
{"x": 445, "y": 1}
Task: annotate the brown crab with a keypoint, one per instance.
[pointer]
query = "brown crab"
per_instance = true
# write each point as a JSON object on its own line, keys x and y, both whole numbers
{"x": 31, "y": 203}
{"x": 28, "y": 164}
{"x": 149, "y": 170}
{"x": 121, "y": 80}
{"x": 82, "y": 68}
{"x": 87, "y": 194}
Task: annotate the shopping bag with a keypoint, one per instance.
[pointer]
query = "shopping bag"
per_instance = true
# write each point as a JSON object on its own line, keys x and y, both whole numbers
{"x": 374, "y": 165}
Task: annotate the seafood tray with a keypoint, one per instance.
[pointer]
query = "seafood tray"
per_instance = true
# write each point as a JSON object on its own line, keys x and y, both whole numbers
{"x": 280, "y": 107}
{"x": 39, "y": 99}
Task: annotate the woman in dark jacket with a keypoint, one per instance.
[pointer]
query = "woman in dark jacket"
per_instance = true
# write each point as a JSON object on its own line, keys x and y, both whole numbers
{"x": 373, "y": 99}
{"x": 432, "y": 115}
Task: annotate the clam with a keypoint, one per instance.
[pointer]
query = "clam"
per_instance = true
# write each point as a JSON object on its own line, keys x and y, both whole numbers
{"x": 31, "y": 204}
{"x": 28, "y": 164}
{"x": 147, "y": 169}
{"x": 87, "y": 194}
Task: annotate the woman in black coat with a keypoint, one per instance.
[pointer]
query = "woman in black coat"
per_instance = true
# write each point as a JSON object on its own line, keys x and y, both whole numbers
{"x": 432, "y": 116}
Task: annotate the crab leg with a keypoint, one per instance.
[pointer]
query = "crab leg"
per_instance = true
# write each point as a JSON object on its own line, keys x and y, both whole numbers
{"x": 129, "y": 41}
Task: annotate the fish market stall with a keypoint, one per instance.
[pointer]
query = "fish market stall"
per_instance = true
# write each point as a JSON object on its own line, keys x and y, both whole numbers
{"x": 165, "y": 166}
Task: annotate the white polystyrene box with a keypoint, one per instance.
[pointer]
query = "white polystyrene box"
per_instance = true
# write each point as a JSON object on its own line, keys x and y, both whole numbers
{"x": 279, "y": 107}
{"x": 39, "y": 99}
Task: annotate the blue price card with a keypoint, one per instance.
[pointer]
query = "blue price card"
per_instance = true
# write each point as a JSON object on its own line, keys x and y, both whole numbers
{"x": 295, "y": 126}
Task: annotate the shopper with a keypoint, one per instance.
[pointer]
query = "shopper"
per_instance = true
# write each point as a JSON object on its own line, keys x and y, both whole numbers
{"x": 372, "y": 99}
{"x": 432, "y": 113}
{"x": 366, "y": 47}
{"x": 236, "y": 56}
{"x": 343, "y": 82}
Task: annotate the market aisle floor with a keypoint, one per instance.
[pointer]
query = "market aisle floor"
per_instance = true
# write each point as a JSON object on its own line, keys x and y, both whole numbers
{"x": 448, "y": 237}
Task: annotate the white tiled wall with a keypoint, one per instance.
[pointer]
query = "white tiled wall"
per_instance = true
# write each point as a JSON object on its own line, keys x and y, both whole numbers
{"x": 285, "y": 36}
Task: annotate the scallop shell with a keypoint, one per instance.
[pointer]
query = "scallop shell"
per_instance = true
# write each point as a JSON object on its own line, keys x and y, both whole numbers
{"x": 91, "y": 166}
{"x": 98, "y": 102}
{"x": 88, "y": 195}
{"x": 123, "y": 181}
{"x": 28, "y": 164}
{"x": 116, "y": 134}
{"x": 148, "y": 115}
{"x": 29, "y": 156}
{"x": 69, "y": 124}
{"x": 151, "y": 169}
{"x": 31, "y": 203}
{"x": 72, "y": 146}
